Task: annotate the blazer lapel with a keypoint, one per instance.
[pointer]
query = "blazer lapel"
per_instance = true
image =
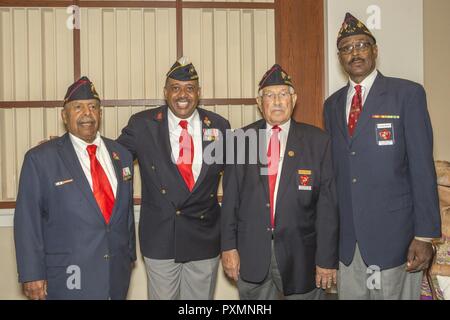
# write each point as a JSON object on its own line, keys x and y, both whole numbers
{"x": 117, "y": 164}
{"x": 262, "y": 157}
{"x": 372, "y": 103}
{"x": 160, "y": 133}
{"x": 70, "y": 158}
{"x": 206, "y": 124}
{"x": 341, "y": 113}
{"x": 291, "y": 159}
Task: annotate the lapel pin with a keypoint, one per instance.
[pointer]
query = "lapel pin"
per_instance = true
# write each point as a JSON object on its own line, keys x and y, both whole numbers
{"x": 115, "y": 156}
{"x": 291, "y": 154}
{"x": 159, "y": 116}
{"x": 206, "y": 121}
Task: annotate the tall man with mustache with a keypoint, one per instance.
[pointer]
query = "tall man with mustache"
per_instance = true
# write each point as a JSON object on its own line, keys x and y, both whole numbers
{"x": 382, "y": 146}
{"x": 74, "y": 223}
{"x": 179, "y": 220}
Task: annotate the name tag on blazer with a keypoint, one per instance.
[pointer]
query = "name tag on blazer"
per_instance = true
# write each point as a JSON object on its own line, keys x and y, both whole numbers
{"x": 304, "y": 180}
{"x": 63, "y": 182}
{"x": 126, "y": 174}
{"x": 385, "y": 134}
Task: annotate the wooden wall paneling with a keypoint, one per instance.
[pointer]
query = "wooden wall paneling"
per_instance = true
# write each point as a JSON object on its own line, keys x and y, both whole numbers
{"x": 136, "y": 54}
{"x": 64, "y": 48}
{"x": 300, "y": 50}
{"x": 234, "y": 68}
{"x": 220, "y": 54}
{"x": 179, "y": 27}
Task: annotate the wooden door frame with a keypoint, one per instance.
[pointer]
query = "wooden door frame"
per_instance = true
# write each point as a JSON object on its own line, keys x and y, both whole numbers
{"x": 300, "y": 50}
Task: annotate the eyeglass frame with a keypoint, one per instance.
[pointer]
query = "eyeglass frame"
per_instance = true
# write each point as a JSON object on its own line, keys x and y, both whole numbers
{"x": 283, "y": 95}
{"x": 363, "y": 47}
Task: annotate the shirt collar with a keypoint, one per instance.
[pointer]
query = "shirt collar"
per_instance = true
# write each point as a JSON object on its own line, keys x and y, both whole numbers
{"x": 81, "y": 144}
{"x": 284, "y": 127}
{"x": 367, "y": 82}
{"x": 175, "y": 120}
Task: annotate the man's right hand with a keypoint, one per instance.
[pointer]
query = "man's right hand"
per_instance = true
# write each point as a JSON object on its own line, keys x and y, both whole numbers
{"x": 231, "y": 263}
{"x": 35, "y": 290}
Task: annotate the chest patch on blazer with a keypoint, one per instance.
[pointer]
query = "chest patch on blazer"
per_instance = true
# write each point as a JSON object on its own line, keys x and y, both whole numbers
{"x": 385, "y": 134}
{"x": 304, "y": 180}
{"x": 126, "y": 174}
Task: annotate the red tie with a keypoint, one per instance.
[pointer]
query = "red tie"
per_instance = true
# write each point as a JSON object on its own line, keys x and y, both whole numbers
{"x": 186, "y": 156}
{"x": 103, "y": 192}
{"x": 355, "y": 110}
{"x": 273, "y": 156}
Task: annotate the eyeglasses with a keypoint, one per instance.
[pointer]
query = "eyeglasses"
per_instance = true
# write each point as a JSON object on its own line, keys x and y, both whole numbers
{"x": 271, "y": 95}
{"x": 358, "y": 46}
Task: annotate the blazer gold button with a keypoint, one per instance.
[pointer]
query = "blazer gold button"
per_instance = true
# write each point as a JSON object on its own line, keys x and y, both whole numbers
{"x": 211, "y": 195}
{"x": 178, "y": 212}
{"x": 163, "y": 191}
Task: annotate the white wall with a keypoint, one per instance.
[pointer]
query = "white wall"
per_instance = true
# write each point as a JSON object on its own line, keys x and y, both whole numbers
{"x": 399, "y": 39}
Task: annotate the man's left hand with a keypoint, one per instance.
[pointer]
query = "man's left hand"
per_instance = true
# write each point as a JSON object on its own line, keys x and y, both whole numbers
{"x": 420, "y": 254}
{"x": 325, "y": 277}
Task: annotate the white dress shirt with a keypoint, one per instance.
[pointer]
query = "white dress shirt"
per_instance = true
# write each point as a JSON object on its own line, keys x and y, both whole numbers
{"x": 283, "y": 136}
{"x": 366, "y": 85}
{"x": 195, "y": 130}
{"x": 102, "y": 155}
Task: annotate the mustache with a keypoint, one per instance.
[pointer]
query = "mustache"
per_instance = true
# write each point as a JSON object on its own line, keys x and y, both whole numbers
{"x": 355, "y": 59}
{"x": 86, "y": 120}
{"x": 183, "y": 100}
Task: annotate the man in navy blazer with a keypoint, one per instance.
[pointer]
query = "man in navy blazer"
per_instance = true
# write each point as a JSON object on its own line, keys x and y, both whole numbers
{"x": 382, "y": 143}
{"x": 280, "y": 220}
{"x": 180, "y": 150}
{"x": 74, "y": 222}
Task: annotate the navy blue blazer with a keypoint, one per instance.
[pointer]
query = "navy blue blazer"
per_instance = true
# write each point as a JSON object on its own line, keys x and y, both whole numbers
{"x": 306, "y": 219}
{"x": 59, "y": 231}
{"x": 386, "y": 180}
{"x": 175, "y": 223}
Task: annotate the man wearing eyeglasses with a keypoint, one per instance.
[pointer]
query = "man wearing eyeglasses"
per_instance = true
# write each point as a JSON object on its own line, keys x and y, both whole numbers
{"x": 279, "y": 213}
{"x": 382, "y": 144}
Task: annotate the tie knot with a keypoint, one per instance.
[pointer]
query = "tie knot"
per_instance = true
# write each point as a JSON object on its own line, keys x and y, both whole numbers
{"x": 358, "y": 88}
{"x": 184, "y": 124}
{"x": 276, "y": 129}
{"x": 91, "y": 149}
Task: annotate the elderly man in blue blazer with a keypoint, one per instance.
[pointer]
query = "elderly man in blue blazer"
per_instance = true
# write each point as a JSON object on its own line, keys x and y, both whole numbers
{"x": 279, "y": 221}
{"x": 74, "y": 223}
{"x": 382, "y": 145}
